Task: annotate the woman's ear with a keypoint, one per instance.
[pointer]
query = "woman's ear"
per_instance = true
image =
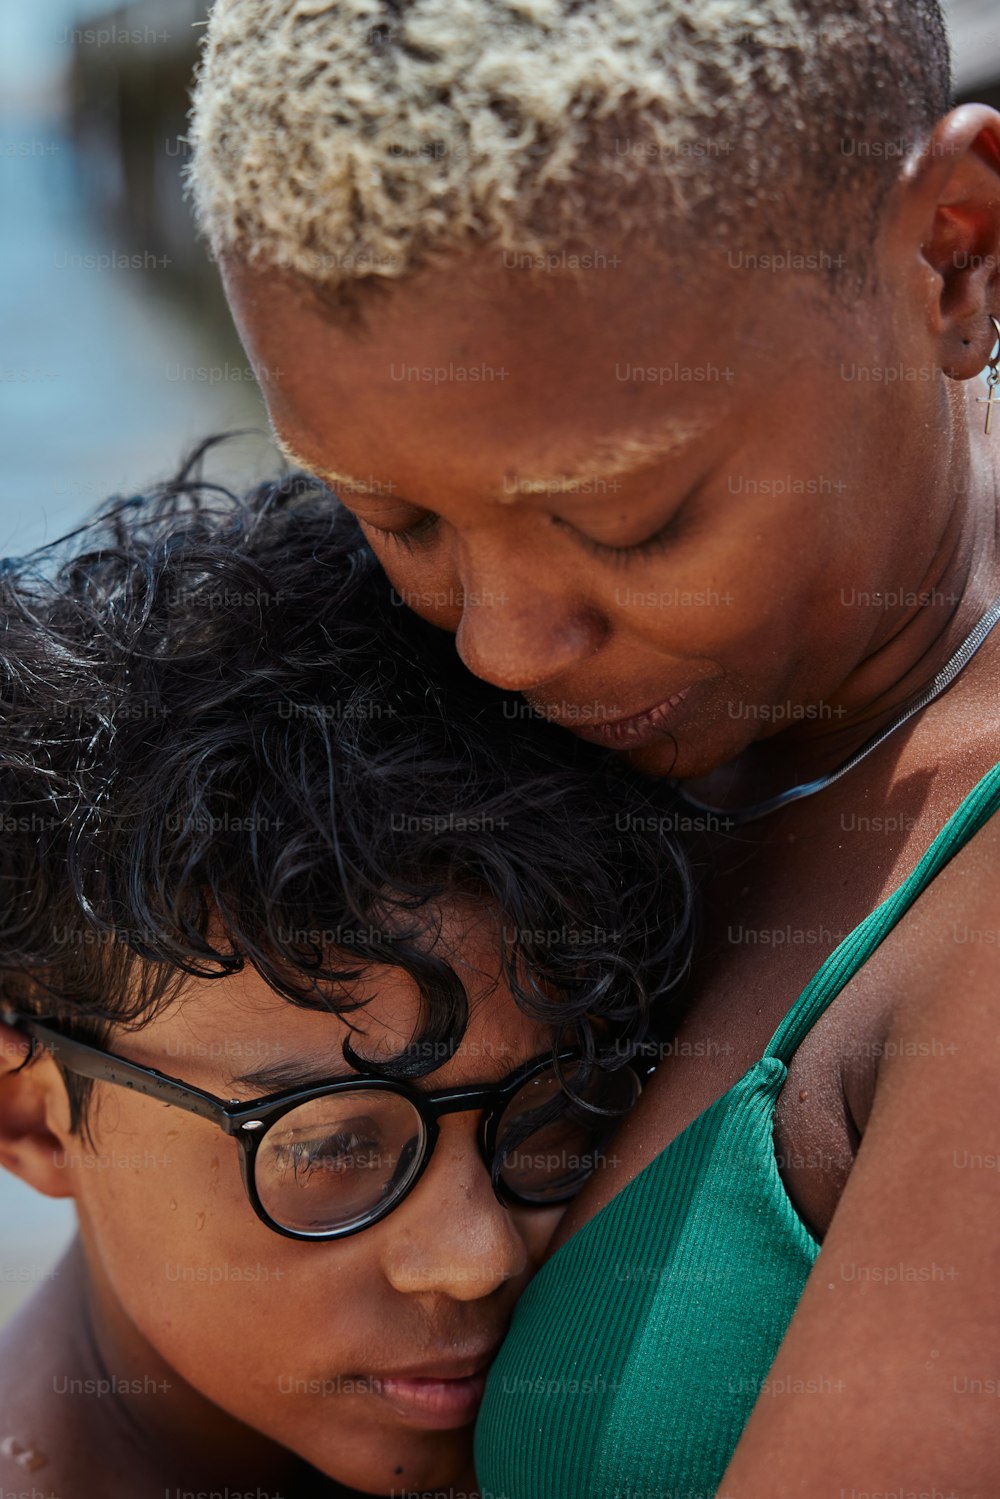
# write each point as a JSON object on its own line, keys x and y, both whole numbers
{"x": 34, "y": 1117}
{"x": 949, "y": 202}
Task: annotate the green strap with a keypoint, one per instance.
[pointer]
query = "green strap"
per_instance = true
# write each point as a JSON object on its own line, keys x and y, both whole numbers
{"x": 855, "y": 950}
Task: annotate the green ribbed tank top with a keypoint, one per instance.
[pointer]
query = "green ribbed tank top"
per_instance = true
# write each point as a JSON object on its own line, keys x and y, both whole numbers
{"x": 639, "y": 1349}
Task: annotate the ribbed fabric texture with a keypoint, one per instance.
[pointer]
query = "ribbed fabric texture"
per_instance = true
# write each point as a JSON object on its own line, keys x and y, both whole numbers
{"x": 639, "y": 1350}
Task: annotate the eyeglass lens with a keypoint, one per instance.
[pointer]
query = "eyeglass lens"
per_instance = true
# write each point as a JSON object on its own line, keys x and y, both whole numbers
{"x": 548, "y": 1143}
{"x": 332, "y": 1162}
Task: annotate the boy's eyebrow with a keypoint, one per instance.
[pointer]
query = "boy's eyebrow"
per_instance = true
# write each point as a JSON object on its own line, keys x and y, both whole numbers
{"x": 283, "y": 1077}
{"x": 608, "y": 459}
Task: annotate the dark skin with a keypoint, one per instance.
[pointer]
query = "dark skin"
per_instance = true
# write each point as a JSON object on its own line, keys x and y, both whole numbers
{"x": 798, "y": 620}
{"x": 240, "y": 1358}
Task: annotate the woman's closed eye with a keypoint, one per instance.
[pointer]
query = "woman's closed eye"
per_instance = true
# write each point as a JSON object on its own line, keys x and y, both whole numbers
{"x": 419, "y": 533}
{"x": 424, "y": 531}
{"x": 659, "y": 541}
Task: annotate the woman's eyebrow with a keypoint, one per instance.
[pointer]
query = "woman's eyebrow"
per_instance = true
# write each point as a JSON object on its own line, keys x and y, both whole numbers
{"x": 333, "y": 478}
{"x": 609, "y": 458}
{"x": 616, "y": 457}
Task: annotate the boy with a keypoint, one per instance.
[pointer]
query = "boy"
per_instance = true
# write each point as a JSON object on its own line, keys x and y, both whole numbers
{"x": 292, "y": 857}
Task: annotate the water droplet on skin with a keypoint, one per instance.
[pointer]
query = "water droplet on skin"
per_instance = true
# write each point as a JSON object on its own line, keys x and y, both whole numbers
{"x": 25, "y": 1457}
{"x": 199, "y": 1221}
{"x": 172, "y": 1204}
{"x": 171, "y": 1135}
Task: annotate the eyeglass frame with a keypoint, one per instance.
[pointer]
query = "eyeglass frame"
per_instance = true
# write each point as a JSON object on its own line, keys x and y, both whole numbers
{"x": 249, "y": 1122}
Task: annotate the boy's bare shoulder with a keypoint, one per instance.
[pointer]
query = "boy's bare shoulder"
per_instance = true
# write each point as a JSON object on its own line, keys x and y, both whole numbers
{"x": 45, "y": 1451}
{"x": 30, "y": 1447}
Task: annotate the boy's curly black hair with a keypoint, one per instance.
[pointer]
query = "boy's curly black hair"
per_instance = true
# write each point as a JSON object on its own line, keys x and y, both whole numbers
{"x": 223, "y": 741}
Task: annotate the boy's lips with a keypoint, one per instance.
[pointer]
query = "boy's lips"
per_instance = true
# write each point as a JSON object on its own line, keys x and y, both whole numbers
{"x": 442, "y": 1394}
{"x": 438, "y": 1403}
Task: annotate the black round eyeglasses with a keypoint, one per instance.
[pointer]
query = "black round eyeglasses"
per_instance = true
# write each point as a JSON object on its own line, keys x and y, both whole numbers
{"x": 331, "y": 1159}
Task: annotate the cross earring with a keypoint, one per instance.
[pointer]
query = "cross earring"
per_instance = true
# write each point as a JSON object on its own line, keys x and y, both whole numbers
{"x": 992, "y": 380}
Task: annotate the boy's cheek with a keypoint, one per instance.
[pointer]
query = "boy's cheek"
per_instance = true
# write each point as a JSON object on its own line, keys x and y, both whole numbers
{"x": 209, "y": 1287}
{"x": 168, "y": 1219}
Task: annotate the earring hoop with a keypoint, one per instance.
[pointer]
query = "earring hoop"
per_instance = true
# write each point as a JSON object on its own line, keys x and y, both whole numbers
{"x": 992, "y": 379}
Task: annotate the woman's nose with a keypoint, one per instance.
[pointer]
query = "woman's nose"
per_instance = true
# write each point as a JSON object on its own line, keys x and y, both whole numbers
{"x": 519, "y": 639}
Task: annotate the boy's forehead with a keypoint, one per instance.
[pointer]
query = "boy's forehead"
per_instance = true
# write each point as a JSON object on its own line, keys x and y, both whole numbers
{"x": 250, "y": 1041}
{"x": 238, "y": 1031}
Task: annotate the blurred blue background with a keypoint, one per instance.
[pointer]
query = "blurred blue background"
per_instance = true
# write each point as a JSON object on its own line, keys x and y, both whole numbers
{"x": 116, "y": 351}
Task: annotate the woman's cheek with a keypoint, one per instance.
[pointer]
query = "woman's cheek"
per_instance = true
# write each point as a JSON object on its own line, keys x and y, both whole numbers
{"x": 426, "y": 580}
{"x": 537, "y": 1228}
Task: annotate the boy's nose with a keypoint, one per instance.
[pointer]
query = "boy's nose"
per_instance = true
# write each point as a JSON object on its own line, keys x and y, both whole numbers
{"x": 452, "y": 1237}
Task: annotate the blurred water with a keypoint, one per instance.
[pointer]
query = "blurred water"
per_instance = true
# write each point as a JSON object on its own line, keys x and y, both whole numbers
{"x": 34, "y": 1230}
{"x": 104, "y": 382}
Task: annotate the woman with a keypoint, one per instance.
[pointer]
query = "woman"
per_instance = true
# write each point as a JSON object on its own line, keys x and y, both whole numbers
{"x": 666, "y": 408}
{"x": 284, "y": 950}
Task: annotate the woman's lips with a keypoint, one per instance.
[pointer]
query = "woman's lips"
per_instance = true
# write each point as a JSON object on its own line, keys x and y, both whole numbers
{"x": 634, "y": 731}
{"x": 440, "y": 1404}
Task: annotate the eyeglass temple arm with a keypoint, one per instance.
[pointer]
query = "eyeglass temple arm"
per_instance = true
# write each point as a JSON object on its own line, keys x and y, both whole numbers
{"x": 85, "y": 1060}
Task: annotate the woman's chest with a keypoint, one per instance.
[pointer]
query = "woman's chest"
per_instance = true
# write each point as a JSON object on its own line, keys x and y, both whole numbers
{"x": 762, "y": 945}
{"x": 780, "y": 901}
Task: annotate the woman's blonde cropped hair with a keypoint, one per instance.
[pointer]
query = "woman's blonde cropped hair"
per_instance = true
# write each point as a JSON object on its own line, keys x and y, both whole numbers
{"x": 360, "y": 138}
